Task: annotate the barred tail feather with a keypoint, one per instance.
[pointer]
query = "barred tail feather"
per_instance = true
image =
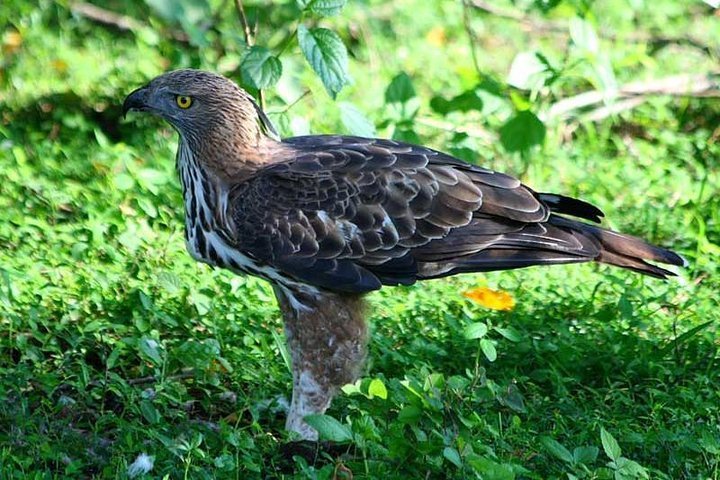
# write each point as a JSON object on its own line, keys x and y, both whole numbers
{"x": 626, "y": 251}
{"x": 559, "y": 240}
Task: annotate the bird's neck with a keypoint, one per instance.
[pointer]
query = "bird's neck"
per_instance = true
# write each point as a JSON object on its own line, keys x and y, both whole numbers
{"x": 202, "y": 191}
{"x": 233, "y": 154}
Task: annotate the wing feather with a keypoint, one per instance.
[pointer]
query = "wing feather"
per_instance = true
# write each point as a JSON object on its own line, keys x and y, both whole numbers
{"x": 350, "y": 214}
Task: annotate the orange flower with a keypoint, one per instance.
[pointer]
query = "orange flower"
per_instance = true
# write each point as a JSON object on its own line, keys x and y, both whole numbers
{"x": 437, "y": 37}
{"x": 11, "y": 42}
{"x": 489, "y": 298}
{"x": 60, "y": 66}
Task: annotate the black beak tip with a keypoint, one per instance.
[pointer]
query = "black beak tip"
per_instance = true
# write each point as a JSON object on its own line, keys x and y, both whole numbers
{"x": 134, "y": 101}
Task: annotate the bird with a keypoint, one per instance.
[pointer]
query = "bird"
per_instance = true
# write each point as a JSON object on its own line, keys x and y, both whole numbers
{"x": 328, "y": 218}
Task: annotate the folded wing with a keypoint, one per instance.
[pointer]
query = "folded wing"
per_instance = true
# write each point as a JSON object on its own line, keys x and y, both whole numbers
{"x": 350, "y": 214}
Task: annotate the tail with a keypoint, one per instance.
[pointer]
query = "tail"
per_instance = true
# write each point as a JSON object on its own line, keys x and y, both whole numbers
{"x": 625, "y": 251}
{"x": 559, "y": 240}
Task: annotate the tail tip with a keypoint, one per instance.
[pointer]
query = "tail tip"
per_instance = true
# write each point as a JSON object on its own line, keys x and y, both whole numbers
{"x": 684, "y": 261}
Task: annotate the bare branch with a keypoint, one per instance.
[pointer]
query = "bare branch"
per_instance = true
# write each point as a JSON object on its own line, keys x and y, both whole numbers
{"x": 471, "y": 36}
{"x": 245, "y": 25}
{"x": 117, "y": 20}
{"x": 538, "y": 25}
{"x": 633, "y": 94}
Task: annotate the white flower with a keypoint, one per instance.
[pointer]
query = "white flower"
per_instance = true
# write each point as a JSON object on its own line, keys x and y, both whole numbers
{"x": 142, "y": 465}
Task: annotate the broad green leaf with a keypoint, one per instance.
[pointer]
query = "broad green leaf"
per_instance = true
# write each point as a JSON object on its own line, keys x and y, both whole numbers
{"x": 146, "y": 301}
{"x": 406, "y": 135}
{"x": 452, "y": 456}
{"x": 627, "y": 468}
{"x": 151, "y": 179}
{"x": 123, "y": 181}
{"x": 585, "y": 455}
{"x": 583, "y": 35}
{"x": 148, "y": 207}
{"x": 201, "y": 301}
{"x": 514, "y": 399}
{"x": 112, "y": 358}
{"x": 281, "y": 120}
{"x": 521, "y": 132}
{"x": 509, "y": 333}
{"x": 327, "y": 55}
{"x": 78, "y": 250}
{"x": 488, "y": 349}
{"x": 610, "y": 445}
{"x": 328, "y": 428}
{"x": 150, "y": 349}
{"x": 325, "y": 8}
{"x": 355, "y": 121}
{"x": 169, "y": 282}
{"x": 557, "y": 449}
{"x": 490, "y": 469}
{"x": 475, "y": 330}
{"x": 377, "y": 389}
{"x": 434, "y": 381}
{"x": 527, "y": 71}
{"x": 352, "y": 388}
{"x": 149, "y": 411}
{"x": 625, "y": 307}
{"x": 400, "y": 89}
{"x": 465, "y": 102}
{"x": 409, "y": 414}
{"x": 260, "y": 68}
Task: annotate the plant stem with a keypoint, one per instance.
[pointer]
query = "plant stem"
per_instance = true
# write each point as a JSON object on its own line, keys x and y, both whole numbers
{"x": 249, "y": 39}
{"x": 471, "y": 36}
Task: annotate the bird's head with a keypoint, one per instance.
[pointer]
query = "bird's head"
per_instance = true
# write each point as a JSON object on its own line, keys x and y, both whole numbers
{"x": 202, "y": 105}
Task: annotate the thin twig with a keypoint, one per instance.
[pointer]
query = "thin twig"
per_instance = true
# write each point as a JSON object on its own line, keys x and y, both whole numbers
{"x": 249, "y": 39}
{"x": 633, "y": 94}
{"x": 614, "y": 108}
{"x": 121, "y": 22}
{"x": 475, "y": 132}
{"x": 185, "y": 373}
{"x": 243, "y": 20}
{"x": 471, "y": 36}
{"x": 124, "y": 23}
{"x": 292, "y": 104}
{"x": 498, "y": 12}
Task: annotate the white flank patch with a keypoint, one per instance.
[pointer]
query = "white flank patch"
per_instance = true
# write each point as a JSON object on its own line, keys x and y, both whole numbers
{"x": 142, "y": 465}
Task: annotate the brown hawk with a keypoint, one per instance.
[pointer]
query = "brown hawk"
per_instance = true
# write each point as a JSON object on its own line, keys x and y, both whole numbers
{"x": 327, "y": 218}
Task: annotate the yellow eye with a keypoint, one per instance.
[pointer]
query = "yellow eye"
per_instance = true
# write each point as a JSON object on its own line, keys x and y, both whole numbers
{"x": 183, "y": 101}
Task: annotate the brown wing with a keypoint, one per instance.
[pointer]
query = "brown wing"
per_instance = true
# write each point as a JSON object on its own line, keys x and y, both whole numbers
{"x": 346, "y": 213}
{"x": 351, "y": 214}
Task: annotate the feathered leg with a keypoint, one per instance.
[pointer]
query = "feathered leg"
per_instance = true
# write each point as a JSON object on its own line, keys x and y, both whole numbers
{"x": 327, "y": 337}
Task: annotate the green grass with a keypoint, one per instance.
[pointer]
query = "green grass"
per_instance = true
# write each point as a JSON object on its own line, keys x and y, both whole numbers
{"x": 113, "y": 342}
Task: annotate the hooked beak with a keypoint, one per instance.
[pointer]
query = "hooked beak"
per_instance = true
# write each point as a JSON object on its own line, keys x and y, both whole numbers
{"x": 136, "y": 101}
